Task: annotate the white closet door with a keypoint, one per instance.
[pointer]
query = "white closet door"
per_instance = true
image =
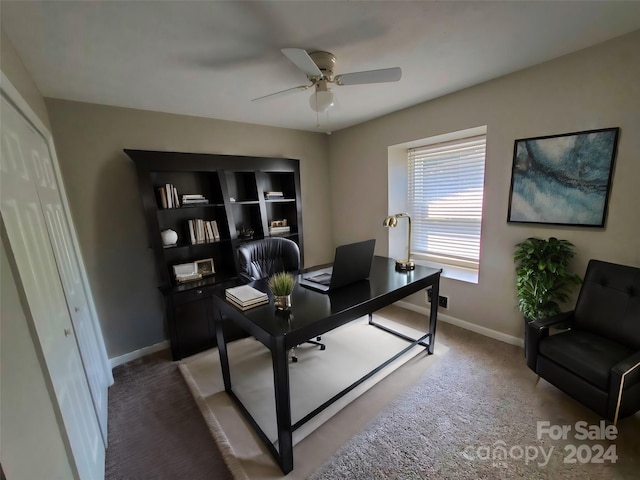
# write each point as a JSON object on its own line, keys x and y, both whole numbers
{"x": 68, "y": 267}
{"x": 41, "y": 280}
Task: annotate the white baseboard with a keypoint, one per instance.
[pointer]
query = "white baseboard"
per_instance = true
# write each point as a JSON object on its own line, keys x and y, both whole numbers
{"x": 487, "y": 332}
{"x": 127, "y": 357}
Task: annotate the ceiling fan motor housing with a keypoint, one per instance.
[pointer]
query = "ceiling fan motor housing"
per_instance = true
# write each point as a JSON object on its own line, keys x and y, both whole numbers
{"x": 326, "y": 62}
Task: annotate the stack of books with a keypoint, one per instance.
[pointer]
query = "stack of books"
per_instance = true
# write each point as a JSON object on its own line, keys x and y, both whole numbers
{"x": 275, "y": 231}
{"x": 194, "y": 199}
{"x": 245, "y": 297}
{"x": 273, "y": 195}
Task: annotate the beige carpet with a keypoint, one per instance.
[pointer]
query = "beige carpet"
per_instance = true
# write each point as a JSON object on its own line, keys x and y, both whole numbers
{"x": 352, "y": 350}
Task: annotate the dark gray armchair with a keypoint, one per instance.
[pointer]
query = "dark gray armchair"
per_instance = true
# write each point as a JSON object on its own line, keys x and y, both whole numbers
{"x": 597, "y": 360}
{"x": 263, "y": 258}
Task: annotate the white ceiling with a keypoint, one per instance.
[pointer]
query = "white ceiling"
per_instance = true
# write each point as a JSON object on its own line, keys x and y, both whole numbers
{"x": 210, "y": 58}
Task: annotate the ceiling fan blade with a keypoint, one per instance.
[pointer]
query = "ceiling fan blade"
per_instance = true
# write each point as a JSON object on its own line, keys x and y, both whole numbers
{"x": 283, "y": 92}
{"x": 370, "y": 76}
{"x": 303, "y": 61}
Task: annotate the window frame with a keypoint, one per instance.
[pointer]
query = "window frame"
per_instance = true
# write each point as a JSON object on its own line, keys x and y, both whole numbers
{"x": 398, "y": 202}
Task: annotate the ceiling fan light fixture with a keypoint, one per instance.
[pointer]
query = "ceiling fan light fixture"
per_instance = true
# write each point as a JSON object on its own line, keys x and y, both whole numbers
{"x": 322, "y": 99}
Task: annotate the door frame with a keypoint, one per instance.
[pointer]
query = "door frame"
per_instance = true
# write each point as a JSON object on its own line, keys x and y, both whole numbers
{"x": 21, "y": 104}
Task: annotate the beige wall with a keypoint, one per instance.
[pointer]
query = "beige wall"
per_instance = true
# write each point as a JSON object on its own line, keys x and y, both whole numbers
{"x": 32, "y": 444}
{"x": 105, "y": 202}
{"x": 594, "y": 88}
{"x": 15, "y": 71}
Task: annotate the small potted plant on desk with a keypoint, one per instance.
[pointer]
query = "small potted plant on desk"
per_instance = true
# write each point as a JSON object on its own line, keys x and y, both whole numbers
{"x": 281, "y": 285}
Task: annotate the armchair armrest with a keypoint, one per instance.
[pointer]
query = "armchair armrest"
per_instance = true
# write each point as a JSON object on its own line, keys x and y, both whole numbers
{"x": 545, "y": 323}
{"x": 537, "y": 330}
{"x": 627, "y": 366}
{"x": 623, "y": 375}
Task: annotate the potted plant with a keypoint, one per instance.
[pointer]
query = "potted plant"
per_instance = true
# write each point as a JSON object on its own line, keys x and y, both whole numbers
{"x": 543, "y": 279}
{"x": 281, "y": 285}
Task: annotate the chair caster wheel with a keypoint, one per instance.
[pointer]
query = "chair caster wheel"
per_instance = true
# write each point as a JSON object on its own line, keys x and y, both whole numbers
{"x": 294, "y": 359}
{"x": 323, "y": 347}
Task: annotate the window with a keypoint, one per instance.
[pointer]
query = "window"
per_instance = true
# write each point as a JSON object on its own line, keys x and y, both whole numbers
{"x": 445, "y": 187}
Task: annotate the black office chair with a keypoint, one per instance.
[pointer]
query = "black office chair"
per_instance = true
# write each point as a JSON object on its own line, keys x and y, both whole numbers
{"x": 263, "y": 258}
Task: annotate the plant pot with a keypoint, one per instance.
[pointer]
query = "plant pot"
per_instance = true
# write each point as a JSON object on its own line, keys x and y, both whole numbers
{"x": 282, "y": 302}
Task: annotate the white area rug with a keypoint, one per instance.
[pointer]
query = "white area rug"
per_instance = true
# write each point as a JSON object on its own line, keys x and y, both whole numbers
{"x": 352, "y": 350}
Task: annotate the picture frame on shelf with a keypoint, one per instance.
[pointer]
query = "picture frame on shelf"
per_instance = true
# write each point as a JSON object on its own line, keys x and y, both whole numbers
{"x": 278, "y": 223}
{"x": 563, "y": 179}
{"x": 205, "y": 267}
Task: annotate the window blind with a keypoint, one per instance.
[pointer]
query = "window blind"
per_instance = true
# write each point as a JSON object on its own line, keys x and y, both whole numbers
{"x": 445, "y": 191}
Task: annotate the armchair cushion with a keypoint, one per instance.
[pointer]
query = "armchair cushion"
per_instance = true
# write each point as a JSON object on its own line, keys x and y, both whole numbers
{"x": 537, "y": 330}
{"x": 585, "y": 354}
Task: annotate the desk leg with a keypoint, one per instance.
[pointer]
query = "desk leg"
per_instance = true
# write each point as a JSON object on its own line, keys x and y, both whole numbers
{"x": 433, "y": 314}
{"x": 283, "y": 404}
{"x": 222, "y": 350}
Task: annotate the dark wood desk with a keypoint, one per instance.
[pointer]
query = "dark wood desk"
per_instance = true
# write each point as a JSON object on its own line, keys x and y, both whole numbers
{"x": 312, "y": 314}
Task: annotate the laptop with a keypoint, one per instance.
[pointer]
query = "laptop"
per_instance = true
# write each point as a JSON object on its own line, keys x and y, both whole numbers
{"x": 351, "y": 264}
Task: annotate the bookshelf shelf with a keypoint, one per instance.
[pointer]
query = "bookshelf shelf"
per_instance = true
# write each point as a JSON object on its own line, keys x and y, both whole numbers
{"x": 237, "y": 189}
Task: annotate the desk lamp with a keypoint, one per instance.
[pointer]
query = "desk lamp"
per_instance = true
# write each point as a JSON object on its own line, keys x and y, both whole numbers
{"x": 392, "y": 221}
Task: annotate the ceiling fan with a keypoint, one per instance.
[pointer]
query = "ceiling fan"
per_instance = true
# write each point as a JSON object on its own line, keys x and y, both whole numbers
{"x": 319, "y": 66}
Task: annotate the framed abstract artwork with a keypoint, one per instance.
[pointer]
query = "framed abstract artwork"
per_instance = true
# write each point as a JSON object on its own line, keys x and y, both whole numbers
{"x": 563, "y": 179}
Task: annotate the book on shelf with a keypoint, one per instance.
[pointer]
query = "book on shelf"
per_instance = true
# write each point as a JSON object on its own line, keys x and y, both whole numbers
{"x": 209, "y": 232}
{"x": 163, "y": 197}
{"x": 200, "y": 234}
{"x": 216, "y": 232}
{"x": 168, "y": 196}
{"x": 273, "y": 195}
{"x": 176, "y": 202}
{"x": 194, "y": 199}
{"x": 187, "y": 277}
{"x": 245, "y": 295}
{"x": 192, "y": 232}
{"x": 279, "y": 230}
{"x": 203, "y": 231}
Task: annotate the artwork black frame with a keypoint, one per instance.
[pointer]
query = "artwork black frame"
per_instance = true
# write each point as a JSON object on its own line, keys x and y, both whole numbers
{"x": 563, "y": 179}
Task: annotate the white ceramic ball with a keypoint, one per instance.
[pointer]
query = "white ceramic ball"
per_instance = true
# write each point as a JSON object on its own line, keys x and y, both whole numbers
{"x": 169, "y": 237}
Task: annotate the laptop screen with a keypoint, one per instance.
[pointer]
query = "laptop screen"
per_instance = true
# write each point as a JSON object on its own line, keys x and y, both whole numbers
{"x": 352, "y": 263}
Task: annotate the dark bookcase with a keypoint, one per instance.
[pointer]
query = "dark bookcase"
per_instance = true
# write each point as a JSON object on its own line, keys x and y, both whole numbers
{"x": 236, "y": 191}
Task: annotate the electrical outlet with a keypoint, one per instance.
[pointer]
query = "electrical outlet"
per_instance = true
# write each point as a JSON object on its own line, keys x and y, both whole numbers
{"x": 442, "y": 300}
